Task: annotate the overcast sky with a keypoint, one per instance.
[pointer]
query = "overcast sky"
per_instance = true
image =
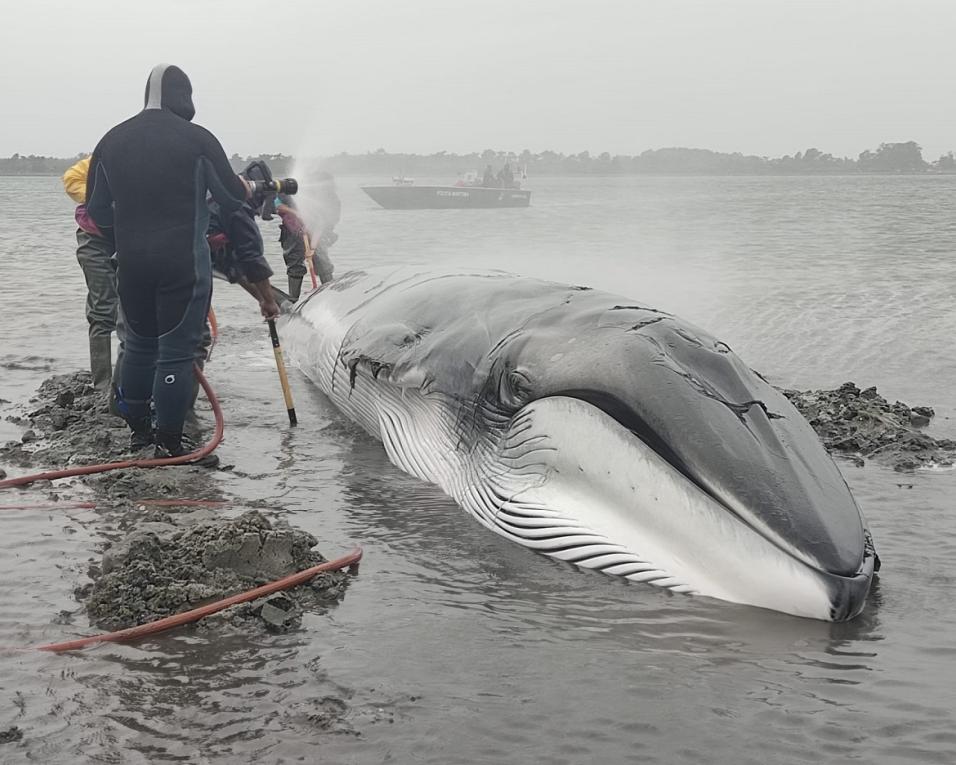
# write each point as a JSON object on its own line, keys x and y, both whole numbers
{"x": 309, "y": 77}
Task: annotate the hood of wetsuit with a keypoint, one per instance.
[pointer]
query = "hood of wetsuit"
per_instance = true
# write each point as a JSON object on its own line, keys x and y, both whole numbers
{"x": 169, "y": 88}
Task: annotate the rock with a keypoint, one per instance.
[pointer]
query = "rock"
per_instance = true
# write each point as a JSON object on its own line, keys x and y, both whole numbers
{"x": 3, "y": 474}
{"x": 29, "y": 436}
{"x": 280, "y": 613}
{"x": 329, "y": 714}
{"x": 65, "y": 398}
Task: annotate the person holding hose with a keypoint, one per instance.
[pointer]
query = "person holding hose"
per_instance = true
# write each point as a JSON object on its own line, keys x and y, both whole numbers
{"x": 147, "y": 183}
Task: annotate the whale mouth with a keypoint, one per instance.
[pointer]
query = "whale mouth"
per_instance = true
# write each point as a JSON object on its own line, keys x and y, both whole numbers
{"x": 695, "y": 473}
{"x": 572, "y": 482}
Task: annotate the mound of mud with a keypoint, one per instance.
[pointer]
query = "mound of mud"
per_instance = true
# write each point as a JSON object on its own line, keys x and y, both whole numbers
{"x": 167, "y": 561}
{"x": 862, "y": 424}
{"x": 71, "y": 426}
{"x": 161, "y": 569}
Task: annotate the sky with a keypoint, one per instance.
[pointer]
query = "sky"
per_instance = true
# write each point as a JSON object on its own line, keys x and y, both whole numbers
{"x": 316, "y": 77}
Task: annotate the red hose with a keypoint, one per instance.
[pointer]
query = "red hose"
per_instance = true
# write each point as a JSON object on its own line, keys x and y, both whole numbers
{"x": 160, "y": 625}
{"x": 209, "y": 447}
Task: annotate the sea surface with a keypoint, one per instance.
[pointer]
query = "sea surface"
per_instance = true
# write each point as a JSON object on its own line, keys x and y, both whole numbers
{"x": 454, "y": 645}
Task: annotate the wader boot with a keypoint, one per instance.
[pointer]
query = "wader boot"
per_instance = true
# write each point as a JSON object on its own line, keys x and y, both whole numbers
{"x": 101, "y": 362}
{"x": 295, "y": 287}
{"x": 176, "y": 445}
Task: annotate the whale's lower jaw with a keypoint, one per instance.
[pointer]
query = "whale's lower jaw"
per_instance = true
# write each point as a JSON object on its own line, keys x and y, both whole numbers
{"x": 565, "y": 480}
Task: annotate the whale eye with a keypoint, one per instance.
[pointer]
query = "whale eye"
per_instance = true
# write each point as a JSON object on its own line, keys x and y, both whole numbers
{"x": 519, "y": 384}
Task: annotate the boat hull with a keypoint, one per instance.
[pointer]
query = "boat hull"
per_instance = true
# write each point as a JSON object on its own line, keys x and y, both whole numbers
{"x": 446, "y": 197}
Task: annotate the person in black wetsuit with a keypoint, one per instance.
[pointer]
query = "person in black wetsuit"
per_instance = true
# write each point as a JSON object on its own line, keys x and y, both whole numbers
{"x": 148, "y": 181}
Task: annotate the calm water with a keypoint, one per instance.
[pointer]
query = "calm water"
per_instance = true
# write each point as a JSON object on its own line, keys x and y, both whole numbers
{"x": 453, "y": 645}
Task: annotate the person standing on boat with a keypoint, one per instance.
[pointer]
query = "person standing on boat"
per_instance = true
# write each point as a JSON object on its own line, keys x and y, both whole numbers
{"x": 506, "y": 178}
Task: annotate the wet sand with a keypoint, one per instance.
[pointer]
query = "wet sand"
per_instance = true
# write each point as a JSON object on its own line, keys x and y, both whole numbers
{"x": 170, "y": 551}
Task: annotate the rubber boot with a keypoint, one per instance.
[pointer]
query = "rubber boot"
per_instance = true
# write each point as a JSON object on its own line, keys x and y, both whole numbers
{"x": 141, "y": 433}
{"x": 169, "y": 444}
{"x": 295, "y": 287}
{"x": 101, "y": 362}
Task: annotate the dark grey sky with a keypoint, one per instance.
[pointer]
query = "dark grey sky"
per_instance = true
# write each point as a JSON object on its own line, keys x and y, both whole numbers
{"x": 759, "y": 76}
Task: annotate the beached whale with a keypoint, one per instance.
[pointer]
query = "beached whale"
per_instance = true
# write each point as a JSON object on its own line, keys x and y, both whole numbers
{"x": 594, "y": 430}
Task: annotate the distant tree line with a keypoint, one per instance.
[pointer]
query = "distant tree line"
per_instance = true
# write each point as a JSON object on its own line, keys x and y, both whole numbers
{"x": 904, "y": 157}
{"x": 887, "y": 158}
{"x": 18, "y": 164}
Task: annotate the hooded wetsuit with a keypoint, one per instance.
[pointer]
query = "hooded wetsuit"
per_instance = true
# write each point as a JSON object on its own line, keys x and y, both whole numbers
{"x": 148, "y": 180}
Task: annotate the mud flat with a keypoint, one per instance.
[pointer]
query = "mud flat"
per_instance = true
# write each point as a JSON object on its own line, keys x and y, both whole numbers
{"x": 169, "y": 547}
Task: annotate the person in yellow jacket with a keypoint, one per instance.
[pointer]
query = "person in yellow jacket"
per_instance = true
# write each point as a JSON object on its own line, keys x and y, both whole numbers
{"x": 94, "y": 252}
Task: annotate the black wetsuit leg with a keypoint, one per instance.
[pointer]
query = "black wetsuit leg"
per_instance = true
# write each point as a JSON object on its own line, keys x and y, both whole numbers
{"x": 179, "y": 347}
{"x": 140, "y": 341}
{"x": 165, "y": 302}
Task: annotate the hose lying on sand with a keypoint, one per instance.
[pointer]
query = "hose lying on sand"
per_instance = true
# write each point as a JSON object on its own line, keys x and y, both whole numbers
{"x": 208, "y": 448}
{"x": 160, "y": 625}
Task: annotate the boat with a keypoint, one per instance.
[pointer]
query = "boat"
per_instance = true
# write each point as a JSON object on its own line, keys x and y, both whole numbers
{"x": 468, "y": 192}
{"x": 412, "y": 197}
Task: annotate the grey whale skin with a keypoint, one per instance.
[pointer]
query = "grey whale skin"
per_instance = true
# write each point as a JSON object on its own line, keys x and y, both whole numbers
{"x": 594, "y": 430}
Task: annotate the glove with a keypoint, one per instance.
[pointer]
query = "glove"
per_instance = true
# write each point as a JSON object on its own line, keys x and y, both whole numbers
{"x": 217, "y": 241}
{"x": 85, "y": 222}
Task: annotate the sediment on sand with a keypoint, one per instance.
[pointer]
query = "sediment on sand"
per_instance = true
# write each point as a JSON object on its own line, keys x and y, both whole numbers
{"x": 173, "y": 539}
{"x": 861, "y": 424}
